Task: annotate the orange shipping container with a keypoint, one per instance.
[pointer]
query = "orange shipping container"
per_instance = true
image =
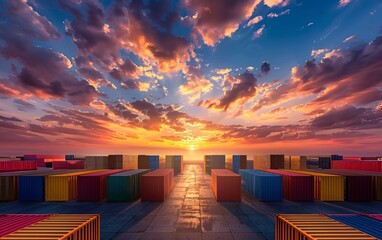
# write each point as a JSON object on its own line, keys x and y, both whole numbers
{"x": 157, "y": 185}
{"x": 226, "y": 185}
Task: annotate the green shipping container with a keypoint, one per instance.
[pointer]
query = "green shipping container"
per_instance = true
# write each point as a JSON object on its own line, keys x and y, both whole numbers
{"x": 125, "y": 186}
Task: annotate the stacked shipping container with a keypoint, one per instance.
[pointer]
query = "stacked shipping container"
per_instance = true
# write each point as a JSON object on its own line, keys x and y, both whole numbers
{"x": 226, "y": 185}
{"x": 239, "y": 162}
{"x": 175, "y": 162}
{"x": 273, "y": 161}
{"x": 16, "y": 165}
{"x": 148, "y": 162}
{"x": 96, "y": 162}
{"x": 364, "y": 165}
{"x": 125, "y": 186}
{"x": 157, "y": 185}
{"x": 213, "y": 162}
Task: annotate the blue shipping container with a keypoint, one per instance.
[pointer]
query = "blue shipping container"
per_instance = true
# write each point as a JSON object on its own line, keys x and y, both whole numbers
{"x": 32, "y": 188}
{"x": 368, "y": 225}
{"x": 262, "y": 185}
{"x": 154, "y": 162}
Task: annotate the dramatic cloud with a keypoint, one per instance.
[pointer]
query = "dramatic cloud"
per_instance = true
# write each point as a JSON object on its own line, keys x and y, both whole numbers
{"x": 348, "y": 39}
{"x": 318, "y": 52}
{"x": 196, "y": 84}
{"x": 237, "y": 90}
{"x": 275, "y": 15}
{"x": 254, "y": 20}
{"x": 224, "y": 71}
{"x": 217, "y": 19}
{"x": 343, "y": 3}
{"x": 273, "y": 3}
{"x": 258, "y": 32}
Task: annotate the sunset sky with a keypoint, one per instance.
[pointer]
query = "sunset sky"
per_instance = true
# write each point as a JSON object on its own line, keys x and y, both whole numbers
{"x": 191, "y": 77}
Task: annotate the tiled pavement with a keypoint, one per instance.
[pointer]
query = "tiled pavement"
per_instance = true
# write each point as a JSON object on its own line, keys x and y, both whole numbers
{"x": 190, "y": 212}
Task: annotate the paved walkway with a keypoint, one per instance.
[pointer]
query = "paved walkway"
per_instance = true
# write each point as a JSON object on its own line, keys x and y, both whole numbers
{"x": 190, "y": 212}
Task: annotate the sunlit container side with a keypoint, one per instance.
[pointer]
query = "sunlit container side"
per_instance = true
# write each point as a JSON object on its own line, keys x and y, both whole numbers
{"x": 261, "y": 185}
{"x": 314, "y": 227}
{"x": 125, "y": 186}
{"x": 148, "y": 162}
{"x": 296, "y": 186}
{"x": 175, "y": 162}
{"x": 17, "y": 165}
{"x": 249, "y": 164}
{"x": 298, "y": 162}
{"x": 92, "y": 186}
{"x": 9, "y": 184}
{"x": 228, "y": 162}
{"x": 239, "y": 162}
{"x": 96, "y": 162}
{"x": 226, "y": 185}
{"x": 327, "y": 187}
{"x": 272, "y": 161}
{"x": 70, "y": 164}
{"x": 213, "y": 162}
{"x": 162, "y": 161}
{"x": 130, "y": 162}
{"x": 10, "y": 223}
{"x": 365, "y": 224}
{"x": 157, "y": 185}
{"x": 63, "y": 187}
{"x": 32, "y": 185}
{"x": 364, "y": 165}
{"x": 358, "y": 187}
{"x": 287, "y": 162}
{"x": 63, "y": 227}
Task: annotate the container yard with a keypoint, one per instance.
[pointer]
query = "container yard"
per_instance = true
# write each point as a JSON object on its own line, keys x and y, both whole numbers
{"x": 283, "y": 203}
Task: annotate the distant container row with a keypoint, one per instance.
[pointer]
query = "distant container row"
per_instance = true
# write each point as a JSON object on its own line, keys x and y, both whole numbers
{"x": 330, "y": 226}
{"x": 50, "y": 226}
{"x": 91, "y": 185}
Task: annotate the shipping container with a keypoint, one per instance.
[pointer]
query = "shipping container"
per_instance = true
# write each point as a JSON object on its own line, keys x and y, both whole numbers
{"x": 32, "y": 185}
{"x": 228, "y": 162}
{"x": 115, "y": 161}
{"x": 365, "y": 224}
{"x": 369, "y": 158}
{"x": 75, "y": 157}
{"x": 249, "y": 164}
{"x": 296, "y": 186}
{"x": 374, "y": 216}
{"x": 157, "y": 185}
{"x": 351, "y": 158}
{"x": 314, "y": 227}
{"x": 287, "y": 162}
{"x": 272, "y": 161}
{"x": 36, "y": 156}
{"x": 125, "y": 186}
{"x": 17, "y": 165}
{"x": 10, "y": 223}
{"x": 96, "y": 162}
{"x": 239, "y": 162}
{"x": 175, "y": 162}
{"x": 63, "y": 187}
{"x": 364, "y": 165}
{"x": 70, "y": 164}
{"x": 61, "y": 226}
{"x": 9, "y": 184}
{"x": 92, "y": 186}
{"x": 336, "y": 157}
{"x": 327, "y": 187}
{"x": 358, "y": 187}
{"x": 262, "y": 185}
{"x": 162, "y": 161}
{"x": 226, "y": 185}
{"x": 148, "y": 162}
{"x": 213, "y": 162}
{"x": 298, "y": 162}
{"x": 324, "y": 162}
{"x": 130, "y": 162}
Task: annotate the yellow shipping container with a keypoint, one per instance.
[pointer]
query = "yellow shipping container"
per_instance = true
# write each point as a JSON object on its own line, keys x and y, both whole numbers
{"x": 327, "y": 187}
{"x": 63, "y": 187}
{"x": 314, "y": 226}
{"x": 61, "y": 226}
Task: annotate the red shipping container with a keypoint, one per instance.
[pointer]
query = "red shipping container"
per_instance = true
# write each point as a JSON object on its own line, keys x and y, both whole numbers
{"x": 296, "y": 186}
{"x": 365, "y": 165}
{"x": 72, "y": 164}
{"x": 17, "y": 165}
{"x": 157, "y": 185}
{"x": 369, "y": 158}
{"x": 351, "y": 158}
{"x": 12, "y": 222}
{"x": 226, "y": 185}
{"x": 35, "y": 156}
{"x": 92, "y": 186}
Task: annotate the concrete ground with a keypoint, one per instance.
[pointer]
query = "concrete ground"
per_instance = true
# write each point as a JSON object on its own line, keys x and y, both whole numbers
{"x": 190, "y": 212}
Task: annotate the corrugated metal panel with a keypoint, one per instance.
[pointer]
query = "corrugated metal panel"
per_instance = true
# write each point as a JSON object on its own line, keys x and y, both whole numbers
{"x": 157, "y": 185}
{"x": 92, "y": 186}
{"x": 63, "y": 227}
{"x": 62, "y": 187}
{"x": 327, "y": 187}
{"x": 262, "y": 185}
{"x": 239, "y": 162}
{"x": 175, "y": 162}
{"x": 375, "y": 216}
{"x": 368, "y": 225}
{"x": 226, "y": 185}
{"x": 16, "y": 165}
{"x": 296, "y": 186}
{"x": 364, "y": 165}
{"x": 298, "y": 162}
{"x": 314, "y": 227}
{"x": 125, "y": 186}
{"x": 96, "y": 162}
{"x": 12, "y": 222}
{"x": 148, "y": 162}
{"x": 213, "y": 162}
{"x": 272, "y": 161}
